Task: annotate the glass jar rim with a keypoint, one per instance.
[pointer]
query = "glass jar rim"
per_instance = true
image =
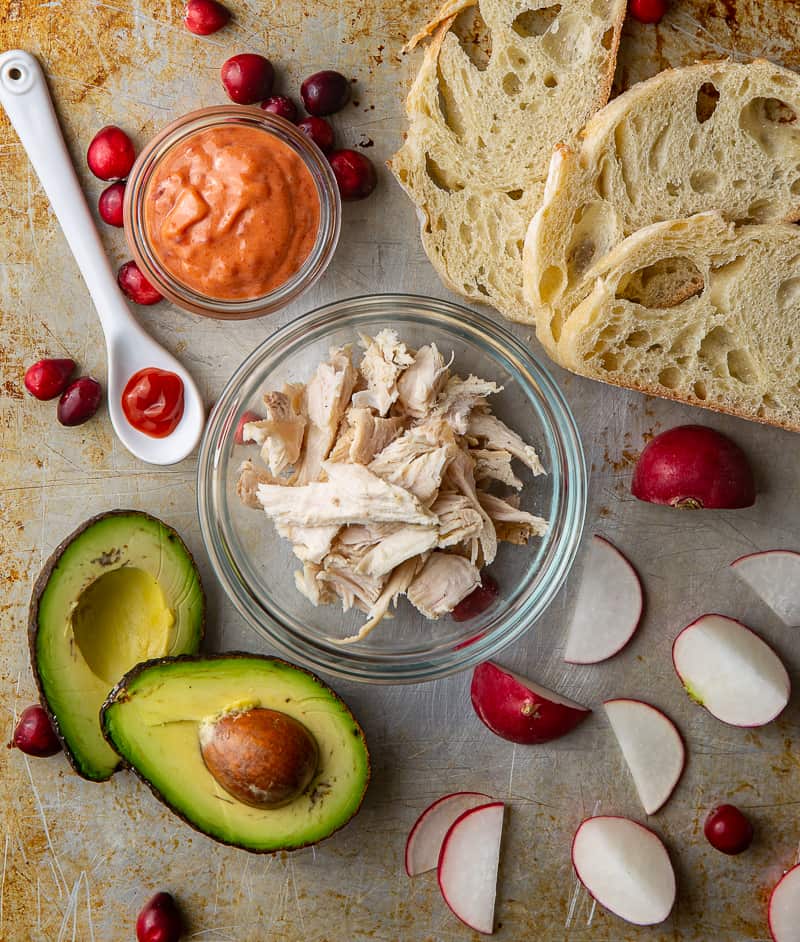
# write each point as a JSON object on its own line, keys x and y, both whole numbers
{"x": 314, "y": 160}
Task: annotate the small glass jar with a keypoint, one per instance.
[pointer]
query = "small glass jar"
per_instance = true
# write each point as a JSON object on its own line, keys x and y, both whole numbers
{"x": 136, "y": 195}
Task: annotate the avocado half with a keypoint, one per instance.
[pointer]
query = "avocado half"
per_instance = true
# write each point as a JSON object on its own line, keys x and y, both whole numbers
{"x": 121, "y": 589}
{"x": 152, "y": 718}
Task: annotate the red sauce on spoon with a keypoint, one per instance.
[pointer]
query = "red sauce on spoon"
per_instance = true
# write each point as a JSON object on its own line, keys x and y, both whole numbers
{"x": 153, "y": 401}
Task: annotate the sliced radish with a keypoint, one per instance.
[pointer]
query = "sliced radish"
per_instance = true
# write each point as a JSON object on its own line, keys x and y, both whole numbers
{"x": 784, "y": 907}
{"x": 609, "y": 606}
{"x": 652, "y": 747}
{"x": 518, "y": 709}
{"x": 626, "y": 868}
{"x": 425, "y": 839}
{"x": 729, "y": 670}
{"x": 775, "y": 576}
{"x": 468, "y": 865}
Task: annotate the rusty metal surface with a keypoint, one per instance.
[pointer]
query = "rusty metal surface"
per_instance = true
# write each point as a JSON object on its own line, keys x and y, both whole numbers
{"x": 79, "y": 859}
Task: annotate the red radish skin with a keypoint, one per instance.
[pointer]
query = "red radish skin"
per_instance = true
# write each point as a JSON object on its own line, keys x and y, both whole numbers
{"x": 47, "y": 379}
{"x": 355, "y": 174}
{"x": 34, "y": 734}
{"x": 325, "y": 92}
{"x": 79, "y": 401}
{"x": 109, "y": 205}
{"x": 693, "y": 467}
{"x": 784, "y": 907}
{"x": 477, "y": 601}
{"x": 425, "y": 838}
{"x": 110, "y": 155}
{"x": 520, "y": 711}
{"x": 159, "y": 920}
{"x": 282, "y": 106}
{"x": 204, "y": 17}
{"x": 238, "y": 435}
{"x": 728, "y": 830}
{"x": 648, "y": 11}
{"x": 136, "y": 286}
{"x": 319, "y": 131}
{"x": 247, "y": 78}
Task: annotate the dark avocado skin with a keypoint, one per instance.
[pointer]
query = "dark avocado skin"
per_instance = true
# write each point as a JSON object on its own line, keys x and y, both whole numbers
{"x": 119, "y": 693}
{"x": 33, "y": 615}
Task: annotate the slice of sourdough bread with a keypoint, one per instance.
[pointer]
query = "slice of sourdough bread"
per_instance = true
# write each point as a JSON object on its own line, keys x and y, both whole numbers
{"x": 714, "y": 136}
{"x": 501, "y": 82}
{"x": 698, "y": 310}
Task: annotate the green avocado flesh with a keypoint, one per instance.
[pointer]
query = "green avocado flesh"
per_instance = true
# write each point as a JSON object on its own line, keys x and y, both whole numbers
{"x": 153, "y": 720}
{"x": 124, "y": 589}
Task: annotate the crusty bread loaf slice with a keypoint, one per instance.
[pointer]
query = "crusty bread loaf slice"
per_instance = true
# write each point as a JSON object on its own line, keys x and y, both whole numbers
{"x": 698, "y": 310}
{"x": 714, "y": 136}
{"x": 501, "y": 82}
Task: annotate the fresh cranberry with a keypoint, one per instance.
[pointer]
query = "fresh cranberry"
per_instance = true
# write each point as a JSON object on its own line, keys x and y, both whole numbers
{"x": 728, "y": 830}
{"x": 136, "y": 286}
{"x": 110, "y": 155}
{"x": 282, "y": 106}
{"x": 34, "y": 734}
{"x": 478, "y": 600}
{"x": 325, "y": 92}
{"x": 79, "y": 401}
{"x": 203, "y": 17}
{"x": 647, "y": 11}
{"x": 247, "y": 78}
{"x": 320, "y": 132}
{"x": 110, "y": 204}
{"x": 354, "y": 173}
{"x": 48, "y": 378}
{"x": 160, "y": 920}
{"x": 249, "y": 416}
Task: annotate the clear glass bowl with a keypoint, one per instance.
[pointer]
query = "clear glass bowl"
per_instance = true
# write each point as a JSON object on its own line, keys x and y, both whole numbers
{"x": 256, "y": 567}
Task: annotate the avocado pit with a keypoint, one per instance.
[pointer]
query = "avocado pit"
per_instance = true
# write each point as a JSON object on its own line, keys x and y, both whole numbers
{"x": 263, "y": 758}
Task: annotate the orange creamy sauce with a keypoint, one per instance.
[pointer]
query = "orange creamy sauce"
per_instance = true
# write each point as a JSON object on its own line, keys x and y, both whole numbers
{"x": 232, "y": 212}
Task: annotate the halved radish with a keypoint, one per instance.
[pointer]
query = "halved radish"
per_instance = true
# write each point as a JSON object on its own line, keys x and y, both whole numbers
{"x": 518, "y": 709}
{"x": 626, "y": 868}
{"x": 609, "y": 606}
{"x": 468, "y": 865}
{"x": 425, "y": 839}
{"x": 729, "y": 670}
{"x": 784, "y": 907}
{"x": 775, "y": 576}
{"x": 652, "y": 747}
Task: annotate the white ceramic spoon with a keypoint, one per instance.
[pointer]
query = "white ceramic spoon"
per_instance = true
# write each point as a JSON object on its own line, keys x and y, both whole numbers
{"x": 24, "y": 95}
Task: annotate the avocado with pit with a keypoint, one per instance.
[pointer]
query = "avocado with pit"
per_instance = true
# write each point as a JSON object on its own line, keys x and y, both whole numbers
{"x": 290, "y": 766}
{"x": 123, "y": 588}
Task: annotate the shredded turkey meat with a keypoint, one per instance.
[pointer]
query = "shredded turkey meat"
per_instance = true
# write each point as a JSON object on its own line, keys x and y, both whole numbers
{"x": 387, "y": 479}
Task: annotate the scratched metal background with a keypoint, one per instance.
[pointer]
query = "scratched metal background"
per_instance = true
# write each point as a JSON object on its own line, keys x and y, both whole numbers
{"x": 79, "y": 859}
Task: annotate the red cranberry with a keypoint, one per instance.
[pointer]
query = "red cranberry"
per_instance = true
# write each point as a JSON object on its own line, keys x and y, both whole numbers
{"x": 247, "y": 78}
{"x": 136, "y": 286}
{"x": 320, "y": 132}
{"x": 110, "y": 204}
{"x": 160, "y": 920}
{"x": 728, "y": 830}
{"x": 249, "y": 416}
{"x": 282, "y": 106}
{"x": 647, "y": 11}
{"x": 48, "y": 378}
{"x": 34, "y": 734}
{"x": 203, "y": 17}
{"x": 325, "y": 92}
{"x": 79, "y": 401}
{"x": 478, "y": 600}
{"x": 354, "y": 173}
{"x": 110, "y": 155}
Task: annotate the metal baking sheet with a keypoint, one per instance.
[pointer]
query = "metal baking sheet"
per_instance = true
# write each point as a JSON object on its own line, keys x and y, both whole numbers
{"x": 79, "y": 859}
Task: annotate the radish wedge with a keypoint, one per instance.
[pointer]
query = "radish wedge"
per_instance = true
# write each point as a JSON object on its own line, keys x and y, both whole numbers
{"x": 425, "y": 839}
{"x": 468, "y": 865}
{"x": 729, "y": 670}
{"x": 609, "y": 606}
{"x": 775, "y": 576}
{"x": 784, "y": 908}
{"x": 626, "y": 868}
{"x": 652, "y": 747}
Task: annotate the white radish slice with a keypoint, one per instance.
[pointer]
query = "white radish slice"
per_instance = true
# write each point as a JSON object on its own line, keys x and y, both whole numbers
{"x": 425, "y": 838}
{"x": 609, "y": 606}
{"x": 468, "y": 865}
{"x": 652, "y": 747}
{"x": 729, "y": 670}
{"x": 626, "y": 868}
{"x": 784, "y": 907}
{"x": 775, "y": 576}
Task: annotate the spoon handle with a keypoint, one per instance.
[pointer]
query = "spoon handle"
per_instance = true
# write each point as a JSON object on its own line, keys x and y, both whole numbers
{"x": 26, "y": 99}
